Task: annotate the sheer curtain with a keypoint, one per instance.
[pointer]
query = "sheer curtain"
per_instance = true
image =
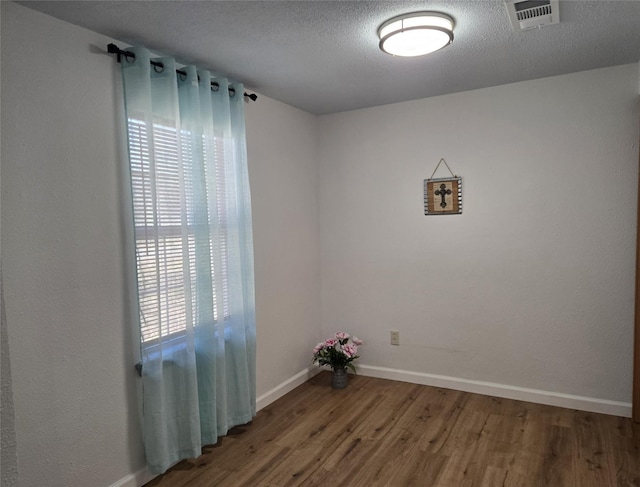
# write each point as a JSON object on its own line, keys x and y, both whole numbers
{"x": 194, "y": 254}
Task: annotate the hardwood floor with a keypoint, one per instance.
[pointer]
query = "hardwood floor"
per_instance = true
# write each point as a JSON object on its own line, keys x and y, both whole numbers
{"x": 385, "y": 433}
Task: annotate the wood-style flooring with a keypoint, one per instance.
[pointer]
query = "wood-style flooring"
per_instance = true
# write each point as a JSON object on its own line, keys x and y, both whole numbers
{"x": 385, "y": 433}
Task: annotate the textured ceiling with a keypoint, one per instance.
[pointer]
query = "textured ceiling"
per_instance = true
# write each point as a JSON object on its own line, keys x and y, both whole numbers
{"x": 323, "y": 56}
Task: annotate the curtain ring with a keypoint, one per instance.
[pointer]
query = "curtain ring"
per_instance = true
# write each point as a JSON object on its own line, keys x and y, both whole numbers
{"x": 215, "y": 86}
{"x": 128, "y": 55}
{"x": 183, "y": 76}
{"x": 232, "y": 92}
{"x": 158, "y": 67}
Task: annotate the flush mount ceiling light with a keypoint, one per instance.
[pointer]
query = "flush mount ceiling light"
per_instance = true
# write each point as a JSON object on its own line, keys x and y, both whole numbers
{"x": 416, "y": 34}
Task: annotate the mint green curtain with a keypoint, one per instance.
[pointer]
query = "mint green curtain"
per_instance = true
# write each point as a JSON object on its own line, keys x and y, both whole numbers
{"x": 194, "y": 252}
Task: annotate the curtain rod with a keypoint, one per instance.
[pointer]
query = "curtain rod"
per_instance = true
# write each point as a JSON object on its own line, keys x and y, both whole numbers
{"x": 113, "y": 49}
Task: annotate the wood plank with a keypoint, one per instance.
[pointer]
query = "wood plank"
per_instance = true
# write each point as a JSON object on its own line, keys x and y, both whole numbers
{"x": 384, "y": 433}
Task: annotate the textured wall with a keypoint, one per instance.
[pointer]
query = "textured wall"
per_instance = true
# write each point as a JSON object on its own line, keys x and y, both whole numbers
{"x": 65, "y": 260}
{"x": 63, "y": 255}
{"x": 533, "y": 285}
{"x": 8, "y": 457}
{"x": 284, "y": 191}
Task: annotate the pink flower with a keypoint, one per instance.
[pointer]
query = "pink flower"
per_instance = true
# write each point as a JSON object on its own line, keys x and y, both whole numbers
{"x": 338, "y": 351}
{"x": 350, "y": 350}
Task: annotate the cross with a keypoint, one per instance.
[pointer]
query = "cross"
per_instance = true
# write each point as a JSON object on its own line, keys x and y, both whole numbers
{"x": 443, "y": 192}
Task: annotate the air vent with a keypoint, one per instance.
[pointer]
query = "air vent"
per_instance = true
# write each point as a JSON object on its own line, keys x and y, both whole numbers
{"x": 532, "y": 14}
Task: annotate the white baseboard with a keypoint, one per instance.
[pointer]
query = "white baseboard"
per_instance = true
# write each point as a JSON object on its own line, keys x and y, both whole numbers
{"x": 288, "y": 385}
{"x": 582, "y": 403}
{"x": 137, "y": 479}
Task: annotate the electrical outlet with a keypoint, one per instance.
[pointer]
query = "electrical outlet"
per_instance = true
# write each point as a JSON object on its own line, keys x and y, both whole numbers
{"x": 395, "y": 337}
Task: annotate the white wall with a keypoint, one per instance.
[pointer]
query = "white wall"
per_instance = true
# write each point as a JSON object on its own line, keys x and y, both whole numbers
{"x": 8, "y": 459}
{"x": 533, "y": 285}
{"x": 284, "y": 192}
{"x": 64, "y": 252}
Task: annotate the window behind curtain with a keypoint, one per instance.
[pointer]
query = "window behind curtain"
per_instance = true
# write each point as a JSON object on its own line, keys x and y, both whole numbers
{"x": 165, "y": 229}
{"x": 191, "y": 208}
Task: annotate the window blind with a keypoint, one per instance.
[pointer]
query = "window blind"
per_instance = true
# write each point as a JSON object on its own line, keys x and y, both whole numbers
{"x": 163, "y": 193}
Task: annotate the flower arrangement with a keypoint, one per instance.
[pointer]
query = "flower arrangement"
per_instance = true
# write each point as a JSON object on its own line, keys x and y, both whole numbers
{"x": 337, "y": 352}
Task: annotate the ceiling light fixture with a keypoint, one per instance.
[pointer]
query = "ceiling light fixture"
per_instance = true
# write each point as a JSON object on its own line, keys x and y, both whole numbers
{"x": 416, "y": 34}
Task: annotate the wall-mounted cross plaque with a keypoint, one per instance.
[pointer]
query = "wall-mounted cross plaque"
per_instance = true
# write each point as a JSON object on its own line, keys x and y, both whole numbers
{"x": 443, "y": 196}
